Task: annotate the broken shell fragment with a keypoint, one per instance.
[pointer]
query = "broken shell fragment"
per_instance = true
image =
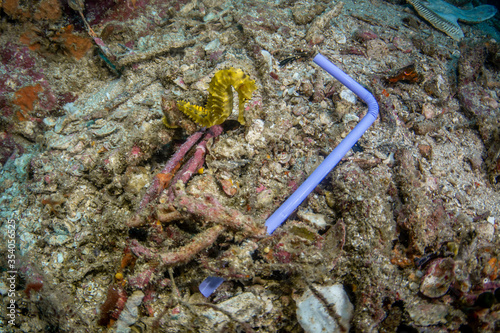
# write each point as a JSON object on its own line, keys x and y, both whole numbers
{"x": 313, "y": 315}
{"x": 438, "y": 278}
{"x": 229, "y": 187}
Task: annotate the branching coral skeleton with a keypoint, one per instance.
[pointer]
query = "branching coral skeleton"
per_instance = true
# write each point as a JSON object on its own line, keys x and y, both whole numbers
{"x": 178, "y": 203}
{"x": 206, "y": 207}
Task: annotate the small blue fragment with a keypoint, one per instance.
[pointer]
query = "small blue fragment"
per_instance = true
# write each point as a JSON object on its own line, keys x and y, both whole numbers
{"x": 208, "y": 286}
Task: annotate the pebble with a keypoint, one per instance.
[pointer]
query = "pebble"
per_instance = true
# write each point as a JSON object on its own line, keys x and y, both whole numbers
{"x": 105, "y": 130}
{"x": 138, "y": 180}
{"x": 348, "y": 95}
{"x": 213, "y": 45}
{"x": 209, "y": 17}
{"x": 350, "y": 117}
{"x": 59, "y": 124}
{"x": 485, "y": 231}
{"x": 429, "y": 111}
{"x": 265, "y": 198}
{"x": 313, "y": 317}
{"x": 70, "y": 108}
{"x": 425, "y": 150}
{"x": 255, "y": 131}
{"x": 62, "y": 142}
{"x": 317, "y": 219}
{"x": 376, "y": 49}
{"x": 50, "y": 121}
{"x": 268, "y": 59}
{"x": 339, "y": 37}
{"x": 304, "y": 14}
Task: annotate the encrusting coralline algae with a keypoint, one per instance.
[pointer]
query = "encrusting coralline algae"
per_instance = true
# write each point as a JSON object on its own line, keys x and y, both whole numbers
{"x": 110, "y": 239}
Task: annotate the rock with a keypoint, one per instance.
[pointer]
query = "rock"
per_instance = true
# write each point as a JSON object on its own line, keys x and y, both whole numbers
{"x": 314, "y": 317}
{"x": 264, "y": 198}
{"x": 268, "y": 59}
{"x": 471, "y": 62}
{"x": 429, "y": 110}
{"x": 424, "y": 127}
{"x": 474, "y": 101}
{"x": 243, "y": 306}
{"x": 213, "y": 45}
{"x": 425, "y": 151}
{"x": 363, "y": 35}
{"x": 321, "y": 22}
{"x": 425, "y": 314}
{"x": 304, "y": 14}
{"x": 437, "y": 87}
{"x": 348, "y": 95}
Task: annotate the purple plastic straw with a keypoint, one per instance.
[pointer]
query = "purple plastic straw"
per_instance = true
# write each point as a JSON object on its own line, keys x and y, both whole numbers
{"x": 208, "y": 286}
{"x": 282, "y": 213}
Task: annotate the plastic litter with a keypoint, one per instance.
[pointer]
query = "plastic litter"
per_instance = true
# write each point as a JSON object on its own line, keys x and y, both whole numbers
{"x": 208, "y": 286}
{"x": 282, "y": 213}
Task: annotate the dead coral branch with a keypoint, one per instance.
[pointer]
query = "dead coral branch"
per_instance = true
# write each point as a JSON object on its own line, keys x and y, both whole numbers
{"x": 200, "y": 242}
{"x": 211, "y": 210}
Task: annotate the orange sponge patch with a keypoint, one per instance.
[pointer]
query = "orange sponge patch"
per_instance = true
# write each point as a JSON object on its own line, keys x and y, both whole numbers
{"x": 75, "y": 45}
{"x": 25, "y": 99}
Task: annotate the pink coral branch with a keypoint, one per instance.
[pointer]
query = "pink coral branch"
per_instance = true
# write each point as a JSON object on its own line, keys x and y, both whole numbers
{"x": 153, "y": 190}
{"x": 210, "y": 209}
{"x": 198, "y": 159}
{"x": 200, "y": 242}
{"x": 156, "y": 187}
{"x": 184, "y": 253}
{"x": 193, "y": 165}
{"x": 141, "y": 251}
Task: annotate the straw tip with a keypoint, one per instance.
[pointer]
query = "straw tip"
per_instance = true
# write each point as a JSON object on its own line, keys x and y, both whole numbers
{"x": 210, "y": 284}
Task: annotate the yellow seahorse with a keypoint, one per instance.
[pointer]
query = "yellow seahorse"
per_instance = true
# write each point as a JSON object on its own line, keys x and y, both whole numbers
{"x": 220, "y": 101}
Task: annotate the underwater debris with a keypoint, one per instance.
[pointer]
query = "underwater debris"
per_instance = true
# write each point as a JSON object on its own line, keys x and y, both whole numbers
{"x": 105, "y": 53}
{"x": 168, "y": 178}
{"x": 443, "y": 16}
{"x": 199, "y": 242}
{"x": 113, "y": 305}
{"x": 406, "y": 74}
{"x": 438, "y": 278}
{"x": 314, "y": 34}
{"x": 220, "y": 100}
{"x": 325, "y": 309}
{"x": 171, "y": 165}
{"x": 299, "y": 54}
{"x": 135, "y": 57}
{"x": 174, "y": 118}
